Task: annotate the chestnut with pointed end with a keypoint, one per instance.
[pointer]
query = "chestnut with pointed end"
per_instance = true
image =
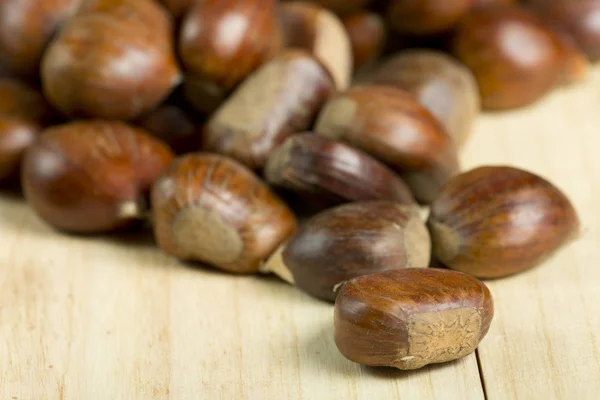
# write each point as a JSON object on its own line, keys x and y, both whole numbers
{"x": 211, "y": 209}
{"x": 492, "y": 222}
{"x": 411, "y": 318}
{"x": 349, "y": 241}
{"x": 425, "y": 17}
{"x": 390, "y": 125}
{"x": 91, "y": 176}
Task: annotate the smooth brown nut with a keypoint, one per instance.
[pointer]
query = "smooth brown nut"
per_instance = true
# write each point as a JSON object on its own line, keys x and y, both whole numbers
{"x": 280, "y": 99}
{"x": 23, "y": 113}
{"x": 515, "y": 58}
{"x": 320, "y": 32}
{"x": 576, "y": 18}
{"x": 445, "y": 87}
{"x": 352, "y": 240}
{"x": 102, "y": 67}
{"x": 211, "y": 209}
{"x": 324, "y": 172}
{"x": 389, "y": 124}
{"x": 91, "y": 176}
{"x": 367, "y": 34}
{"x": 425, "y": 17}
{"x": 222, "y": 42}
{"x": 178, "y": 8}
{"x": 496, "y": 221}
{"x": 26, "y": 27}
{"x": 410, "y": 318}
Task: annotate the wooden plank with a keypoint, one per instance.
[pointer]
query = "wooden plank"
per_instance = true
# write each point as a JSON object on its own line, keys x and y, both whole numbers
{"x": 545, "y": 340}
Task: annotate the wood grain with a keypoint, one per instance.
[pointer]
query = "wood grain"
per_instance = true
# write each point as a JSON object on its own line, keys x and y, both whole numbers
{"x": 115, "y": 319}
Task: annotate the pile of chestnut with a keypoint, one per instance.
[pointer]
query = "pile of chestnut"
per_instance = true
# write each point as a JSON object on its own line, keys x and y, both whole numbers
{"x": 225, "y": 122}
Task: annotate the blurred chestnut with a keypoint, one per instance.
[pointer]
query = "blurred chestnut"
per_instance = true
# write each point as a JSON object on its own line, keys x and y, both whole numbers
{"x": 484, "y": 3}
{"x": 282, "y": 98}
{"x": 89, "y": 177}
{"x": 351, "y": 240}
{"x": 496, "y": 221}
{"x": 178, "y": 8}
{"x": 576, "y": 18}
{"x": 516, "y": 59}
{"x": 222, "y": 42}
{"x": 442, "y": 85}
{"x": 425, "y": 17}
{"x": 315, "y": 29}
{"x": 324, "y": 172}
{"x": 211, "y": 209}
{"x": 23, "y": 113}
{"x": 410, "y": 318}
{"x": 342, "y": 7}
{"x": 367, "y": 34}
{"x": 389, "y": 124}
{"x": 101, "y": 66}
{"x": 26, "y": 27}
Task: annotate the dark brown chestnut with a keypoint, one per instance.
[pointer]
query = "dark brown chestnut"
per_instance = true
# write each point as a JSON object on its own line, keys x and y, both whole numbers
{"x": 410, "y": 318}
{"x": 222, "y": 42}
{"x": 282, "y": 98}
{"x": 315, "y": 29}
{"x": 90, "y": 177}
{"x": 425, "y": 17}
{"x": 389, "y": 124}
{"x": 104, "y": 67}
{"x": 211, "y": 209}
{"x": 514, "y": 56}
{"x": 324, "y": 172}
{"x": 367, "y": 34}
{"x": 26, "y": 27}
{"x": 441, "y": 84}
{"x": 349, "y": 241}
{"x": 492, "y": 222}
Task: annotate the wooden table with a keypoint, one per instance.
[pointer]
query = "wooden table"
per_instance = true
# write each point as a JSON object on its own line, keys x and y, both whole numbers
{"x": 113, "y": 318}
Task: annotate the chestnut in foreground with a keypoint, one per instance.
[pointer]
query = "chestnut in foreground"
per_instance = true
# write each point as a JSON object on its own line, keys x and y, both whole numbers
{"x": 349, "y": 241}
{"x": 211, "y": 209}
{"x": 91, "y": 176}
{"x": 410, "y": 318}
{"x": 492, "y": 222}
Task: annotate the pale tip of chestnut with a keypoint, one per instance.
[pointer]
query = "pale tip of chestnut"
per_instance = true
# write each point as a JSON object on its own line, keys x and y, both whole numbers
{"x": 130, "y": 210}
{"x": 276, "y": 266}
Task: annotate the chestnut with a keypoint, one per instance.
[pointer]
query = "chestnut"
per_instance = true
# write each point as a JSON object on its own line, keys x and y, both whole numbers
{"x": 389, "y": 124}
{"x": 91, "y": 176}
{"x": 324, "y": 172}
{"x": 211, "y": 209}
{"x": 410, "y": 318}
{"x": 351, "y": 240}
{"x": 342, "y": 7}
{"x": 282, "y": 98}
{"x": 442, "y": 85}
{"x": 367, "y": 34}
{"x": 221, "y": 44}
{"x": 315, "y": 29}
{"x": 493, "y": 221}
{"x": 425, "y": 17}
{"x": 26, "y": 27}
{"x": 515, "y": 58}
{"x": 23, "y": 113}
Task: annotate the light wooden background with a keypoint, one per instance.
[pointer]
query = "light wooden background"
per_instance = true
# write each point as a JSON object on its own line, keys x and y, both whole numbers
{"x": 115, "y": 319}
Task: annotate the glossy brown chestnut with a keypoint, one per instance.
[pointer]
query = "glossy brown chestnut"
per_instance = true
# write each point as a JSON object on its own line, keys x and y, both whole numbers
{"x": 324, "y": 172}
{"x": 442, "y": 85}
{"x": 23, "y": 113}
{"x": 89, "y": 177}
{"x": 496, "y": 221}
{"x": 389, "y": 124}
{"x": 576, "y": 18}
{"x": 367, "y": 34}
{"x": 515, "y": 58}
{"x": 349, "y": 241}
{"x": 425, "y": 17}
{"x": 178, "y": 8}
{"x": 26, "y": 27}
{"x": 410, "y": 318}
{"x": 281, "y": 98}
{"x": 104, "y": 67}
{"x": 315, "y": 29}
{"x": 224, "y": 41}
{"x": 211, "y": 209}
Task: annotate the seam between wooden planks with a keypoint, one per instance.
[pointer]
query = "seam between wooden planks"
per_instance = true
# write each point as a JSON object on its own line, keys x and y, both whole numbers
{"x": 481, "y": 377}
